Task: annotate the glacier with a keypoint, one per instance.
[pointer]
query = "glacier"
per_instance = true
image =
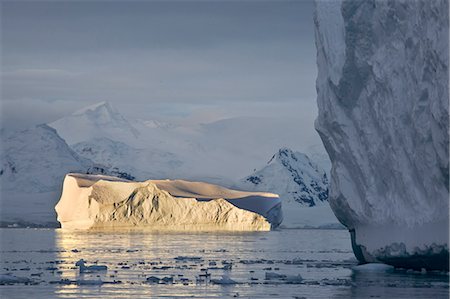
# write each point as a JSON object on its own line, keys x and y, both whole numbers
{"x": 383, "y": 117}
{"x": 98, "y": 201}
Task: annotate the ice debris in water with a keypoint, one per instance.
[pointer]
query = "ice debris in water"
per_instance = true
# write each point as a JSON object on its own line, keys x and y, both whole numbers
{"x": 93, "y": 268}
{"x": 224, "y": 280}
{"x": 8, "y": 278}
{"x": 273, "y": 275}
{"x": 373, "y": 267}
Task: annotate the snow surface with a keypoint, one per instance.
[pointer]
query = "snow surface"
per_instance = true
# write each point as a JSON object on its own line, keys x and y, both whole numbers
{"x": 217, "y": 152}
{"x": 383, "y": 118}
{"x": 99, "y": 120}
{"x": 33, "y": 165}
{"x": 96, "y": 201}
{"x": 141, "y": 163}
{"x": 36, "y": 159}
{"x": 302, "y": 186}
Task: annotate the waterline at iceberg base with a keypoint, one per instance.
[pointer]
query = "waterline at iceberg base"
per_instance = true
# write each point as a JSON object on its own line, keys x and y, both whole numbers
{"x": 98, "y": 201}
{"x": 383, "y": 117}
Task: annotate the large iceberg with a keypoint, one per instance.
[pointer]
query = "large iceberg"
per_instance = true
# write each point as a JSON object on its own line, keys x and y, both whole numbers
{"x": 98, "y": 201}
{"x": 383, "y": 117}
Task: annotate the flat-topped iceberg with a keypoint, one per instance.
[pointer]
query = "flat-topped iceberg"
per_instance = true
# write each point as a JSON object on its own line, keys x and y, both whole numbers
{"x": 97, "y": 201}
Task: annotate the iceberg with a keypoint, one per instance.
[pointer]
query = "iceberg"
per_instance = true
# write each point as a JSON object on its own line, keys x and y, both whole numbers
{"x": 383, "y": 117}
{"x": 98, "y": 201}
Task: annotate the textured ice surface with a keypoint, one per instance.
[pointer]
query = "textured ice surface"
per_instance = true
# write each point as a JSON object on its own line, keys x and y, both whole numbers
{"x": 383, "y": 118}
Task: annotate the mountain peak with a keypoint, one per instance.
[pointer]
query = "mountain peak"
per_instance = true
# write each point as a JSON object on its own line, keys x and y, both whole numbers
{"x": 103, "y": 105}
{"x": 293, "y": 176}
{"x": 287, "y": 156}
{"x": 94, "y": 121}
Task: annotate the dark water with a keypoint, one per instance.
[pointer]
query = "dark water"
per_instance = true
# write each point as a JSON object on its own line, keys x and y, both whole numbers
{"x": 323, "y": 258}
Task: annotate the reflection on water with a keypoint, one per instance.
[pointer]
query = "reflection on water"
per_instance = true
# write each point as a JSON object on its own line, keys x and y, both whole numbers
{"x": 322, "y": 257}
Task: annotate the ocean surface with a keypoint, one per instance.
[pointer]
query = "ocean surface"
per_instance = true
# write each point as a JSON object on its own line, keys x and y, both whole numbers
{"x": 255, "y": 265}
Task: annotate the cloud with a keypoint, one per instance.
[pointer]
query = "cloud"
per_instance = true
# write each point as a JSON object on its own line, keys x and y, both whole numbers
{"x": 179, "y": 59}
{"x": 23, "y": 113}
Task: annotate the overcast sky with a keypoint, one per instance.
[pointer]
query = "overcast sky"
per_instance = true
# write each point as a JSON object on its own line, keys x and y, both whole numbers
{"x": 198, "y": 60}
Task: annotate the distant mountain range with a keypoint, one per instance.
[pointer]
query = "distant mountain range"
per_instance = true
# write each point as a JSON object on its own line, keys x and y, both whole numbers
{"x": 98, "y": 139}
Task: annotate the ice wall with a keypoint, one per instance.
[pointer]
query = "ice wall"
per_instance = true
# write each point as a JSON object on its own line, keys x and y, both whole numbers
{"x": 383, "y": 117}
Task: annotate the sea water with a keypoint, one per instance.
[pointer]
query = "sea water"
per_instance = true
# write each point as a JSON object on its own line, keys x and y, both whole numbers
{"x": 258, "y": 265}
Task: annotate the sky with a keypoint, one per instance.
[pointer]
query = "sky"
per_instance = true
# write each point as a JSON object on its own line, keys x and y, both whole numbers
{"x": 195, "y": 61}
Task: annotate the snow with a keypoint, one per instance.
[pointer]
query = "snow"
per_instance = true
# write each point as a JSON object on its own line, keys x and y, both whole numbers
{"x": 383, "y": 118}
{"x": 33, "y": 165}
{"x": 99, "y": 120}
{"x": 36, "y": 159}
{"x": 218, "y": 152}
{"x": 142, "y": 163}
{"x": 302, "y": 186}
{"x": 94, "y": 201}
{"x": 98, "y": 139}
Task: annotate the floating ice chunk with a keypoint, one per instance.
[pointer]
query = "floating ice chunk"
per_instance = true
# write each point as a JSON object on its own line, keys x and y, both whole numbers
{"x": 153, "y": 279}
{"x": 273, "y": 275}
{"x": 9, "y": 278}
{"x": 224, "y": 280}
{"x": 167, "y": 280}
{"x": 373, "y": 267}
{"x": 188, "y": 258}
{"x": 93, "y": 268}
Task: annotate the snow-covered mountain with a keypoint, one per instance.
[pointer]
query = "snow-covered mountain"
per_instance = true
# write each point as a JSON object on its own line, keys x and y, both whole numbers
{"x": 216, "y": 152}
{"x": 37, "y": 159}
{"x": 301, "y": 184}
{"x": 293, "y": 176}
{"x": 99, "y": 120}
{"x": 33, "y": 165}
{"x": 101, "y": 140}
{"x": 141, "y": 163}
{"x": 384, "y": 117}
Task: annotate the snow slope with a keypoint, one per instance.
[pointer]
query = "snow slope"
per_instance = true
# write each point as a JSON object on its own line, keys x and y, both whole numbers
{"x": 141, "y": 163}
{"x": 99, "y": 120}
{"x": 301, "y": 184}
{"x": 36, "y": 159}
{"x": 220, "y": 151}
{"x": 93, "y": 201}
{"x": 383, "y": 118}
{"x": 33, "y": 165}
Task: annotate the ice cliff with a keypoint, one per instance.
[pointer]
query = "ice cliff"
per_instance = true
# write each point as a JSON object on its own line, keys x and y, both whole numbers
{"x": 383, "y": 117}
{"x": 96, "y": 201}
